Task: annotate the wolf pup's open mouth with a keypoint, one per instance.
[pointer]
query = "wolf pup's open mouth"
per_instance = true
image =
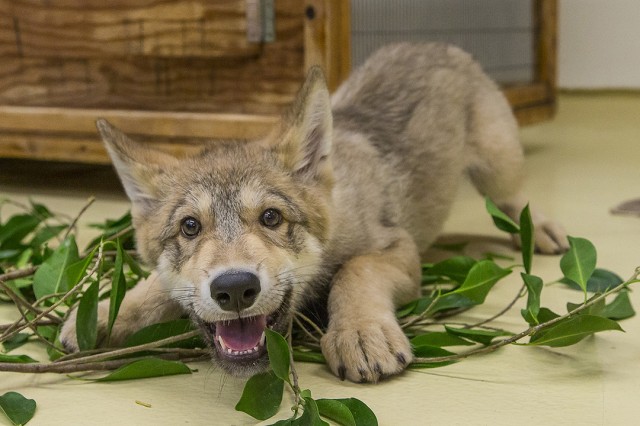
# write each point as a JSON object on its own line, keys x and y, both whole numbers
{"x": 239, "y": 340}
{"x": 242, "y": 338}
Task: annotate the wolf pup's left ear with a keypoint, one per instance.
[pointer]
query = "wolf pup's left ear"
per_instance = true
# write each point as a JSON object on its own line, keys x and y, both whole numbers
{"x": 305, "y": 139}
{"x": 140, "y": 169}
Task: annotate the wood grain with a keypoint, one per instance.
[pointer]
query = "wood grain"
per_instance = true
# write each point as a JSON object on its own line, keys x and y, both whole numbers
{"x": 177, "y": 73}
{"x": 163, "y": 124}
{"x": 262, "y": 83}
{"x": 99, "y": 28}
{"x": 328, "y": 38}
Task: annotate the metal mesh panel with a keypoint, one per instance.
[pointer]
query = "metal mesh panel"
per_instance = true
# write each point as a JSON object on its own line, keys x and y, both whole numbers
{"x": 499, "y": 33}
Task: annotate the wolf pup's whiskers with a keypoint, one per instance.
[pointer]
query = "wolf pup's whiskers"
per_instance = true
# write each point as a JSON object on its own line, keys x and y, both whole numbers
{"x": 342, "y": 198}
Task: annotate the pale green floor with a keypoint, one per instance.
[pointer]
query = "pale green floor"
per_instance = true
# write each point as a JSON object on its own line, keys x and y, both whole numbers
{"x": 579, "y": 166}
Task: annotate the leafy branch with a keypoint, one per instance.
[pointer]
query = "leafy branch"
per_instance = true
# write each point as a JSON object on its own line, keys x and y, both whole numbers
{"x": 45, "y": 283}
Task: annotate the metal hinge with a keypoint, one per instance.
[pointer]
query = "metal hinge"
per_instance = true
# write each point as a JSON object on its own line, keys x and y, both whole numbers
{"x": 261, "y": 18}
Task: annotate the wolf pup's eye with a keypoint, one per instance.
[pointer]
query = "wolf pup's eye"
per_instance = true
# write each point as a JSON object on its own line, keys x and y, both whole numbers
{"x": 271, "y": 218}
{"x": 190, "y": 227}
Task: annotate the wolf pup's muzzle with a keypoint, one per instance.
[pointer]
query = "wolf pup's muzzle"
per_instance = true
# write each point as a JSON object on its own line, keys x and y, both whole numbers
{"x": 242, "y": 338}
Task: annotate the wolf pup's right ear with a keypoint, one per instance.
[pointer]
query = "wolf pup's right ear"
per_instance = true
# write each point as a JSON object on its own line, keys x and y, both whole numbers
{"x": 140, "y": 169}
{"x": 304, "y": 140}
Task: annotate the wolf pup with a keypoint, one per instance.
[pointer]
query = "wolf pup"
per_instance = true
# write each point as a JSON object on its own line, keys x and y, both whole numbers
{"x": 345, "y": 194}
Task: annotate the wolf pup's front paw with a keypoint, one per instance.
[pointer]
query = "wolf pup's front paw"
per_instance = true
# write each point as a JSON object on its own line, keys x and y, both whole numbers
{"x": 68, "y": 332}
{"x": 366, "y": 349}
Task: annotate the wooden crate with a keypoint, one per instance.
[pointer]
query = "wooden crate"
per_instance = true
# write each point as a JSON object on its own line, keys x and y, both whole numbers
{"x": 177, "y": 72}
{"x": 536, "y": 101}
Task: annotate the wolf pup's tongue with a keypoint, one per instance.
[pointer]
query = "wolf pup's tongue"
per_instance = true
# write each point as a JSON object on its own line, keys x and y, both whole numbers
{"x": 241, "y": 336}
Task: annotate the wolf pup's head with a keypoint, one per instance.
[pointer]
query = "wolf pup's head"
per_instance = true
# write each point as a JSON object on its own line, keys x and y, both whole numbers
{"x": 237, "y": 231}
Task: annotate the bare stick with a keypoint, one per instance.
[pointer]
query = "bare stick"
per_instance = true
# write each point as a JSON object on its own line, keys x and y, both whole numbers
{"x": 502, "y": 312}
{"x": 133, "y": 349}
{"x": 94, "y": 366}
{"x": 73, "y": 223}
{"x": 20, "y": 273}
{"x": 294, "y": 374}
{"x": 23, "y": 303}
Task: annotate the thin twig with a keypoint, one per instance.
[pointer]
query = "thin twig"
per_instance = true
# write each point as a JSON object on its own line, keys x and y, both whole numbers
{"x": 73, "y": 223}
{"x": 294, "y": 374}
{"x": 111, "y": 238}
{"x": 8, "y": 335}
{"x": 310, "y": 322}
{"x": 6, "y": 327}
{"x": 531, "y": 330}
{"x": 133, "y": 349}
{"x": 20, "y": 273}
{"x": 18, "y": 301}
{"x": 50, "y": 367}
{"x": 502, "y": 312}
{"x": 304, "y": 329}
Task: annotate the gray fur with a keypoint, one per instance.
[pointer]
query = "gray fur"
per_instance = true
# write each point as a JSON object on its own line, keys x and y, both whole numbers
{"x": 363, "y": 190}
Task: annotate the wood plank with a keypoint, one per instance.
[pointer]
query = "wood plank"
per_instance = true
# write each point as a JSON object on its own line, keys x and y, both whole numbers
{"x": 167, "y": 124}
{"x": 527, "y": 94}
{"x": 546, "y": 22}
{"x": 327, "y": 36}
{"x": 256, "y": 85}
{"x": 534, "y": 114}
{"x": 98, "y": 28}
{"x": 76, "y": 148}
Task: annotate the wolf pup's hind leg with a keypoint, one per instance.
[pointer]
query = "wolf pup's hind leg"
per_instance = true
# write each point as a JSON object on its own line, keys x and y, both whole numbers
{"x": 364, "y": 341}
{"x": 495, "y": 164}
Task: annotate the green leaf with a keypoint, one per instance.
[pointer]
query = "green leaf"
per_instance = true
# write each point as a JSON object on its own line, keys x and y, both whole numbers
{"x": 40, "y": 210}
{"x": 87, "y": 318}
{"x": 278, "y": 350}
{"x": 118, "y": 288}
{"x": 579, "y": 262}
{"x": 18, "y": 409}
{"x": 546, "y": 315}
{"x": 594, "y": 309}
{"x": 428, "y": 351}
{"x": 362, "y": 414}
{"x": 146, "y": 368}
{"x": 261, "y": 396}
{"x": 456, "y": 268}
{"x": 15, "y": 341}
{"x": 308, "y": 356}
{"x": 500, "y": 219}
{"x": 311, "y": 415}
{"x": 155, "y": 332}
{"x": 77, "y": 270}
{"x": 337, "y": 411}
{"x": 526, "y": 238}
{"x": 51, "y": 277}
{"x": 9, "y": 254}
{"x": 534, "y": 286}
{"x": 416, "y": 307}
{"x": 45, "y": 234}
{"x": 477, "y": 335}
{"x": 17, "y": 227}
{"x": 134, "y": 265}
{"x": 16, "y": 359}
{"x": 439, "y": 339}
{"x": 572, "y": 330}
{"x": 620, "y": 308}
{"x": 601, "y": 280}
{"x": 452, "y": 300}
{"x": 110, "y": 228}
{"x": 482, "y": 277}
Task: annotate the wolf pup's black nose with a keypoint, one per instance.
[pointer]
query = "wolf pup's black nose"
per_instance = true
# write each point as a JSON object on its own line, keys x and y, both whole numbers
{"x": 235, "y": 291}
